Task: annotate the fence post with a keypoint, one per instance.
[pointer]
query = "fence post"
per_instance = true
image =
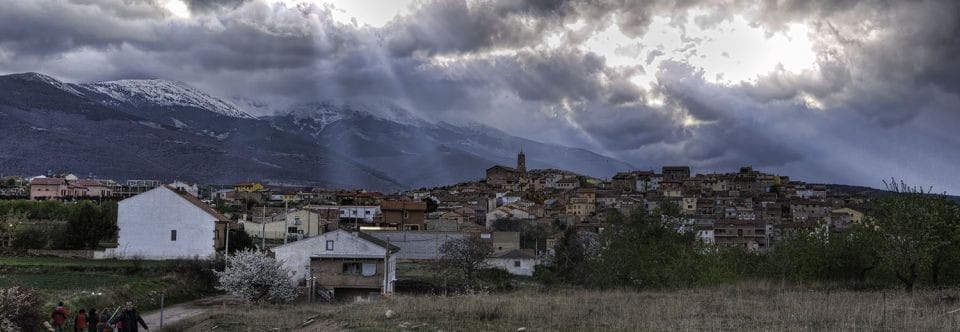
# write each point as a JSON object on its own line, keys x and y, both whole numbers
{"x": 161, "y": 311}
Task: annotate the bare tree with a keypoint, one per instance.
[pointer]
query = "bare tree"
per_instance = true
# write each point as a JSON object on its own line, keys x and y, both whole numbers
{"x": 465, "y": 257}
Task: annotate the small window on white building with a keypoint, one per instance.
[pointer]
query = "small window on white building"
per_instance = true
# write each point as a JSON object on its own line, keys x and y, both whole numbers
{"x": 173, "y": 235}
{"x": 516, "y": 263}
{"x": 329, "y": 245}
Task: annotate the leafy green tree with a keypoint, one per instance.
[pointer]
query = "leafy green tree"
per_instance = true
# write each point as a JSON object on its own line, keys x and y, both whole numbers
{"x": 574, "y": 254}
{"x": 432, "y": 204}
{"x": 89, "y": 223}
{"x": 920, "y": 233}
{"x": 240, "y": 241}
{"x": 648, "y": 251}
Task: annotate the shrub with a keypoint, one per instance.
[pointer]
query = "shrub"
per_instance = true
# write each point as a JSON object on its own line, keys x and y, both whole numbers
{"x": 19, "y": 309}
{"x": 544, "y": 275}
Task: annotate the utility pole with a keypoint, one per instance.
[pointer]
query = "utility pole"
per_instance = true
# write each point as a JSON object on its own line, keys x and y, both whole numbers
{"x": 285, "y": 234}
{"x": 226, "y": 250}
{"x": 263, "y": 228}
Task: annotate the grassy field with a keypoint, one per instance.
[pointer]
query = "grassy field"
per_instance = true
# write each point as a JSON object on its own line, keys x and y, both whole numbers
{"x": 84, "y": 283}
{"x": 750, "y": 307}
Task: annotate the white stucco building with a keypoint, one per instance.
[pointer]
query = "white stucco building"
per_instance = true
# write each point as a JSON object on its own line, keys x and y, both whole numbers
{"x": 360, "y": 213}
{"x": 342, "y": 262}
{"x": 191, "y": 189}
{"x": 516, "y": 261}
{"x": 164, "y": 223}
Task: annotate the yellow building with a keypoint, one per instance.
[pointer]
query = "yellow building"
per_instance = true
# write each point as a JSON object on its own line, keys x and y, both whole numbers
{"x": 248, "y": 187}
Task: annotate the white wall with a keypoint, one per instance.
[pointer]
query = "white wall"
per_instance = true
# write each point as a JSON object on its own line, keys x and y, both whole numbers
{"x": 146, "y": 220}
{"x": 526, "y": 265}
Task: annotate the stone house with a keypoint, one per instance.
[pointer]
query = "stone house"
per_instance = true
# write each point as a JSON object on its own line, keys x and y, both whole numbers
{"x": 404, "y": 215}
{"x": 344, "y": 264}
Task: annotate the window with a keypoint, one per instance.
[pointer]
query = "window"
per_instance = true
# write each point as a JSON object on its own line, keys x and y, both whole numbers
{"x": 366, "y": 212}
{"x": 406, "y": 215}
{"x": 516, "y": 263}
{"x": 352, "y": 268}
{"x": 369, "y": 269}
{"x": 293, "y": 230}
{"x": 173, "y": 235}
{"x": 360, "y": 269}
{"x": 329, "y": 245}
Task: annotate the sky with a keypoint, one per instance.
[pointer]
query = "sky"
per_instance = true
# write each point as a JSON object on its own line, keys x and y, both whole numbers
{"x": 839, "y": 91}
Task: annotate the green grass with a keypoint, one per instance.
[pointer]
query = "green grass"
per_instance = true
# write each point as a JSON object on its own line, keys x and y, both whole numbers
{"x": 84, "y": 283}
{"x": 57, "y": 262}
{"x": 416, "y": 270}
{"x": 66, "y": 281}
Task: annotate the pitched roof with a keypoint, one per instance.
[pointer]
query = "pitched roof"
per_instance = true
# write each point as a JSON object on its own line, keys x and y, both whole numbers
{"x": 198, "y": 203}
{"x": 403, "y": 205}
{"x": 502, "y": 167}
{"x": 378, "y": 242}
{"x": 48, "y": 181}
{"x": 87, "y": 183}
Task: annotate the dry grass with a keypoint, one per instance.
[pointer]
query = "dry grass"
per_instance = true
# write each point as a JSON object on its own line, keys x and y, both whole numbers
{"x": 744, "y": 307}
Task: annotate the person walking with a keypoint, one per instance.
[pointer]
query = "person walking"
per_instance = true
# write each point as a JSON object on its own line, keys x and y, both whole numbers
{"x": 104, "y": 325}
{"x": 129, "y": 319}
{"x": 92, "y": 320}
{"x": 59, "y": 317}
{"x": 80, "y": 322}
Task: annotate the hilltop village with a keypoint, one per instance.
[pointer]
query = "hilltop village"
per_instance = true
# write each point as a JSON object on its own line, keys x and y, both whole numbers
{"x": 745, "y": 208}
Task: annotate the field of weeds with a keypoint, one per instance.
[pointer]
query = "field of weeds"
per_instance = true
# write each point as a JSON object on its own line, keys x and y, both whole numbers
{"x": 747, "y": 306}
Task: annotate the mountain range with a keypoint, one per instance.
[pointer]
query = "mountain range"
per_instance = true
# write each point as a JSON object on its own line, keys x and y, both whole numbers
{"x": 161, "y": 129}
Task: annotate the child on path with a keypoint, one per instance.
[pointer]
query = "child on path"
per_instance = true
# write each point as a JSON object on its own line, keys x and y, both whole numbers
{"x": 59, "y": 317}
{"x": 80, "y": 322}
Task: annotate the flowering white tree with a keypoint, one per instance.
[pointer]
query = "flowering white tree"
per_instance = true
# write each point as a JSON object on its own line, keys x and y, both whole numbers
{"x": 253, "y": 276}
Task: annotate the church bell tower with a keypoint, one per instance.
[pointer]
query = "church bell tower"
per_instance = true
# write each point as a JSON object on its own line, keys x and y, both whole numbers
{"x": 521, "y": 163}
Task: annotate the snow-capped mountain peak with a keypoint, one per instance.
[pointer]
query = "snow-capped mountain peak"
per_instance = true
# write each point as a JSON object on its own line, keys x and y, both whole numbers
{"x": 167, "y": 93}
{"x": 38, "y": 77}
{"x": 326, "y": 113}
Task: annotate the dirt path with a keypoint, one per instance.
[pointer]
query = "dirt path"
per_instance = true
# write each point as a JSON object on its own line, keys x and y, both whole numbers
{"x": 184, "y": 311}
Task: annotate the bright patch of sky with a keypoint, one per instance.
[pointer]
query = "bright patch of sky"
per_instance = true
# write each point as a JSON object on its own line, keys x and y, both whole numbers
{"x": 728, "y": 53}
{"x": 375, "y": 13}
{"x": 177, "y": 8}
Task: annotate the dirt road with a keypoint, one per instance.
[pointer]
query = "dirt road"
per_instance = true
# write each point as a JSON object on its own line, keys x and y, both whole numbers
{"x": 184, "y": 311}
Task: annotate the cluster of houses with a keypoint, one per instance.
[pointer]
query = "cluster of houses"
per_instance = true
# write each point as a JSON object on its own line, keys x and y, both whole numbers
{"x": 70, "y": 187}
{"x": 348, "y": 242}
{"x": 747, "y": 208}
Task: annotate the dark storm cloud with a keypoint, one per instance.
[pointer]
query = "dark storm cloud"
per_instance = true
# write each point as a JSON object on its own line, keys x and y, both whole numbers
{"x": 204, "y": 6}
{"x": 888, "y": 61}
{"x": 455, "y": 27}
{"x": 27, "y": 28}
{"x": 884, "y": 69}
